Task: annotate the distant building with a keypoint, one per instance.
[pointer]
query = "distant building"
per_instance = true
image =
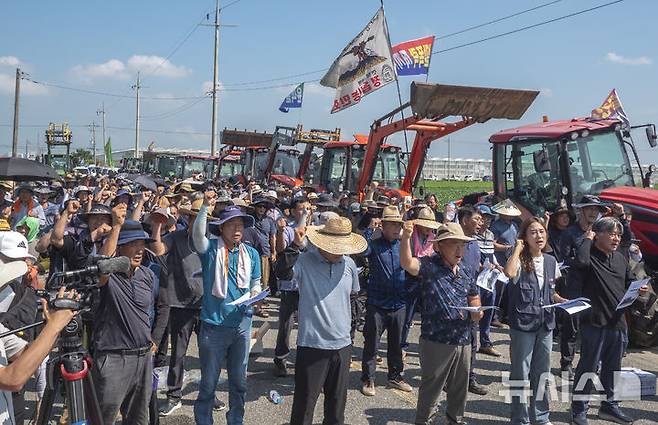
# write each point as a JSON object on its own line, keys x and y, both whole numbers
{"x": 456, "y": 168}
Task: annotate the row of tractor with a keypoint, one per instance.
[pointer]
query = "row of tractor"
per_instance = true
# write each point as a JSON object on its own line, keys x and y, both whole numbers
{"x": 540, "y": 167}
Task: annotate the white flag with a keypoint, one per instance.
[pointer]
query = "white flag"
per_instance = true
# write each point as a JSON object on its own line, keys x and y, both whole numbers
{"x": 364, "y": 66}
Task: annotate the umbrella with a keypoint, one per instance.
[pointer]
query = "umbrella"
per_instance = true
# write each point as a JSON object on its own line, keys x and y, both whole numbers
{"x": 21, "y": 169}
{"x": 147, "y": 183}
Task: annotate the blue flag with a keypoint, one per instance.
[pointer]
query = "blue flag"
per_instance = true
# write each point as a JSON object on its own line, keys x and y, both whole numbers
{"x": 294, "y": 99}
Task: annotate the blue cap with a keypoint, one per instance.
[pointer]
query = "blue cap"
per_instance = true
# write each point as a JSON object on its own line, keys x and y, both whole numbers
{"x": 231, "y": 212}
{"x": 485, "y": 210}
{"x": 132, "y": 231}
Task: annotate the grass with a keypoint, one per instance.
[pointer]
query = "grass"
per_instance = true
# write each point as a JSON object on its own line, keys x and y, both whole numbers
{"x": 446, "y": 191}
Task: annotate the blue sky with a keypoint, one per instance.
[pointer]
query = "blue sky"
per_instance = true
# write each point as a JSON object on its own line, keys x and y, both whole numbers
{"x": 100, "y": 46}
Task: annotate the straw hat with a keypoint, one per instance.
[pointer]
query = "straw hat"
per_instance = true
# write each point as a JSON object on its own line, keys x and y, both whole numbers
{"x": 427, "y": 218}
{"x": 451, "y": 231}
{"x": 336, "y": 237}
{"x": 392, "y": 214}
{"x": 506, "y": 207}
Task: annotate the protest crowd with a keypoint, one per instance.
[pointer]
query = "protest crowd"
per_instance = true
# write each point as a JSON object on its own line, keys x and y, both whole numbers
{"x": 207, "y": 256}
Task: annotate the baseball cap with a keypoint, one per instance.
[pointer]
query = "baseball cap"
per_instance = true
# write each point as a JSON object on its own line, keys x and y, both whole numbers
{"x": 14, "y": 245}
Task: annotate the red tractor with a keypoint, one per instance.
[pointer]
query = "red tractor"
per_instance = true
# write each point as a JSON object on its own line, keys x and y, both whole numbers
{"x": 542, "y": 166}
{"x": 353, "y": 165}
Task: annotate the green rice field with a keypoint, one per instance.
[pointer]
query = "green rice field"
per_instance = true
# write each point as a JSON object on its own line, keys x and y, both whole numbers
{"x": 446, "y": 191}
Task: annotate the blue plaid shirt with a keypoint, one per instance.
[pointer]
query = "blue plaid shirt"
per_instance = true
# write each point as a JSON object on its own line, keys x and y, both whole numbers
{"x": 441, "y": 291}
{"x": 387, "y": 279}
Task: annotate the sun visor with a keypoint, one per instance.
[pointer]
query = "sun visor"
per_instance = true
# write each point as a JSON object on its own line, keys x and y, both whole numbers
{"x": 479, "y": 103}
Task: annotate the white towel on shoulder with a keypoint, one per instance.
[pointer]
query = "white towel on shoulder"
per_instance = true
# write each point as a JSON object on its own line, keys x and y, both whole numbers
{"x": 220, "y": 286}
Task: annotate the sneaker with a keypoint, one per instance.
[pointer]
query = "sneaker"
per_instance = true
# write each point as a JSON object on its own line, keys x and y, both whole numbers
{"x": 476, "y": 388}
{"x": 489, "y": 351}
{"x": 219, "y": 405}
{"x": 368, "y": 388}
{"x": 614, "y": 414}
{"x": 579, "y": 419}
{"x": 170, "y": 407}
{"x": 399, "y": 384}
{"x": 280, "y": 369}
{"x": 379, "y": 359}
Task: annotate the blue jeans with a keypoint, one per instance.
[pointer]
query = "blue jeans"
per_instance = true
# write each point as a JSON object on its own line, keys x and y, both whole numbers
{"x": 598, "y": 345}
{"x": 530, "y": 354}
{"x": 229, "y": 347}
{"x": 486, "y": 298}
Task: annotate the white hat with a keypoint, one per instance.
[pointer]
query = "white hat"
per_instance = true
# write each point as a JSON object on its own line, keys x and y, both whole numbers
{"x": 14, "y": 245}
{"x": 81, "y": 189}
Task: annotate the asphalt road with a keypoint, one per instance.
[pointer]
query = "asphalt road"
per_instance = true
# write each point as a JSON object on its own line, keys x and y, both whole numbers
{"x": 391, "y": 406}
{"x": 388, "y": 406}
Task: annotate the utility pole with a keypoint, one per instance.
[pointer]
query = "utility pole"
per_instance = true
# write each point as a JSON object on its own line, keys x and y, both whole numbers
{"x": 27, "y": 142}
{"x": 92, "y": 128}
{"x": 137, "y": 87}
{"x": 449, "y": 158}
{"x": 101, "y": 112}
{"x": 17, "y": 93}
{"x": 215, "y": 82}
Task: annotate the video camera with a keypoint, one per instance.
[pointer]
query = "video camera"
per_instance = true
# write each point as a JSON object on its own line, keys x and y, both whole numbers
{"x": 83, "y": 281}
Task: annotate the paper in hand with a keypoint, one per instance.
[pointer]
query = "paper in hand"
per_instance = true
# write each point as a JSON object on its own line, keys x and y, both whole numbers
{"x": 632, "y": 293}
{"x": 247, "y": 300}
{"x": 572, "y": 306}
{"x": 475, "y": 309}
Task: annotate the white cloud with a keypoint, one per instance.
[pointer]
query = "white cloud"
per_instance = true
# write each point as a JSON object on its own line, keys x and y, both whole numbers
{"x": 619, "y": 59}
{"x": 8, "y": 85}
{"x": 158, "y": 66}
{"x": 10, "y": 61}
{"x": 117, "y": 69}
{"x": 113, "y": 68}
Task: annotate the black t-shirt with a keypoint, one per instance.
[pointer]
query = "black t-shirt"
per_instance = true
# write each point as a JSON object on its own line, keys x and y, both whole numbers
{"x": 59, "y": 256}
{"x": 123, "y": 316}
{"x": 184, "y": 280}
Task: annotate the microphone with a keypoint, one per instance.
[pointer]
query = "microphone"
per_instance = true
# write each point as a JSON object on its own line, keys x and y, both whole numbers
{"x": 108, "y": 266}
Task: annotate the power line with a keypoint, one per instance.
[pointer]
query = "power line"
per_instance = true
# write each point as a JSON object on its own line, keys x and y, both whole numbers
{"x": 539, "y": 24}
{"x": 173, "y": 112}
{"x": 230, "y": 87}
{"x": 494, "y": 21}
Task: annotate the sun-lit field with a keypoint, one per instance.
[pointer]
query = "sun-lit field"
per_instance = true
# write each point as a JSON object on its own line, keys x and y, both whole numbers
{"x": 446, "y": 191}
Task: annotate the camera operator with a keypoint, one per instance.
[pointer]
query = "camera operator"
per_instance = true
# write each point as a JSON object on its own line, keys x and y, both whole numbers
{"x": 122, "y": 360}
{"x": 25, "y": 359}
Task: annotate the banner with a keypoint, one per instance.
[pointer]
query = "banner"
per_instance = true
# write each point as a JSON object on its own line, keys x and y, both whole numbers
{"x": 413, "y": 57}
{"x": 364, "y": 66}
{"x": 108, "y": 152}
{"x": 611, "y": 109}
{"x": 293, "y": 100}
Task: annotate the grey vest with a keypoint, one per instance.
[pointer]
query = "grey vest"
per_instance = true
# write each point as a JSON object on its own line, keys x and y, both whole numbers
{"x": 525, "y": 299}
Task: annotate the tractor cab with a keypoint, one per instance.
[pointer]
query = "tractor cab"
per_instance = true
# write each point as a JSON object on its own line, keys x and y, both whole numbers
{"x": 255, "y": 160}
{"x": 546, "y": 165}
{"x": 342, "y": 163}
{"x": 551, "y": 164}
{"x": 189, "y": 165}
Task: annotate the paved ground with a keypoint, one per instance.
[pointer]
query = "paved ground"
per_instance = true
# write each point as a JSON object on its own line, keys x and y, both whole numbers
{"x": 391, "y": 406}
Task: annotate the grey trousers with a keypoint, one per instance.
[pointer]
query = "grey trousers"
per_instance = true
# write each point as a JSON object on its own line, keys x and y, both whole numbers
{"x": 124, "y": 383}
{"x": 443, "y": 365}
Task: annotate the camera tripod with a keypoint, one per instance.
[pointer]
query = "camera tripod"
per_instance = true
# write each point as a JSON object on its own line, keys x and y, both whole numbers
{"x": 70, "y": 368}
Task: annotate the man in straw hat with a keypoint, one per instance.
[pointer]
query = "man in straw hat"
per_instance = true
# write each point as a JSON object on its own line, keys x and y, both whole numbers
{"x": 326, "y": 277}
{"x": 231, "y": 269}
{"x": 445, "y": 329}
{"x": 385, "y": 304}
{"x": 184, "y": 286}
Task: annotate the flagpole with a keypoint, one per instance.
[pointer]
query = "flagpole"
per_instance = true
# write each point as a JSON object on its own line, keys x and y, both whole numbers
{"x": 397, "y": 81}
